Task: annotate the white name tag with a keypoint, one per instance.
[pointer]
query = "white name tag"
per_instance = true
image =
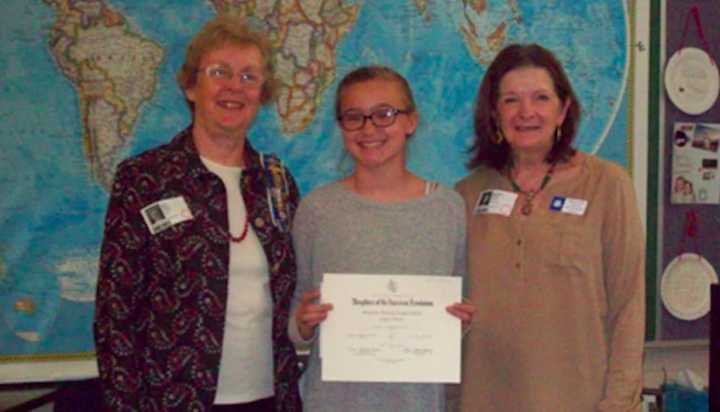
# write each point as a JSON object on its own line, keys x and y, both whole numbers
{"x": 498, "y": 202}
{"x": 162, "y": 214}
{"x": 568, "y": 205}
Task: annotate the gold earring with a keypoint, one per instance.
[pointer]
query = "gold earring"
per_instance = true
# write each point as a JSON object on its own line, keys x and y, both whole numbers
{"x": 499, "y": 137}
{"x": 558, "y": 134}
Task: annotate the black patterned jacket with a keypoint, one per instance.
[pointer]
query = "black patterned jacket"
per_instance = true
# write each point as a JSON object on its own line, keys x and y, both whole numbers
{"x": 161, "y": 299}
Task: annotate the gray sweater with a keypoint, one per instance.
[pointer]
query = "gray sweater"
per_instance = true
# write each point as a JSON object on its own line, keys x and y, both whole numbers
{"x": 337, "y": 231}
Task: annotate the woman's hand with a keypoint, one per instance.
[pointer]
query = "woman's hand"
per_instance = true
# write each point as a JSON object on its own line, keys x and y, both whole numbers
{"x": 464, "y": 312}
{"x": 309, "y": 313}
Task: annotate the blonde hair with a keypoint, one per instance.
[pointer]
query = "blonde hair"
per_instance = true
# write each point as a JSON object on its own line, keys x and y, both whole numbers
{"x": 366, "y": 73}
{"x": 216, "y": 33}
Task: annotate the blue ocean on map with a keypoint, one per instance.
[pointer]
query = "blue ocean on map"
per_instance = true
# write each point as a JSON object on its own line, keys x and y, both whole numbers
{"x": 53, "y": 202}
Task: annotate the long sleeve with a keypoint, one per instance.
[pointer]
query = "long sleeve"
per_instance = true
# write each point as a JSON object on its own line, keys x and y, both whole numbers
{"x": 119, "y": 297}
{"x": 461, "y": 265}
{"x": 624, "y": 273}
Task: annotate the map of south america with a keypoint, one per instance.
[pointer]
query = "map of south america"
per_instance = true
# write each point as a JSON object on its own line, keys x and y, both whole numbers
{"x": 113, "y": 70}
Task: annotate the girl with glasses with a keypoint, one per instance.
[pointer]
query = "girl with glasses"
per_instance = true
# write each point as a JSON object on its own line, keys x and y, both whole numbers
{"x": 380, "y": 219}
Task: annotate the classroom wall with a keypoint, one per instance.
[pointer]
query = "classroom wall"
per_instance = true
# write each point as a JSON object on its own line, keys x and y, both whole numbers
{"x": 663, "y": 360}
{"x": 676, "y": 345}
{"x": 681, "y": 30}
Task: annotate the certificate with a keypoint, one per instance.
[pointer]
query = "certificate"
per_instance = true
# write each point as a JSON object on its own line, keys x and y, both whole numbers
{"x": 390, "y": 328}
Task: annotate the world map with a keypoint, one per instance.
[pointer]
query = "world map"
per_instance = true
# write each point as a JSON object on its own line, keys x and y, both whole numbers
{"x": 87, "y": 83}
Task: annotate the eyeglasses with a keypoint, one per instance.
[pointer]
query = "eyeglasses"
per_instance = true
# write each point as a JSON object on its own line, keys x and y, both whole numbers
{"x": 354, "y": 119}
{"x": 224, "y": 73}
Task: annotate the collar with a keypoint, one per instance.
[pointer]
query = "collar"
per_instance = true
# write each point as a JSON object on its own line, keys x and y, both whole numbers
{"x": 183, "y": 142}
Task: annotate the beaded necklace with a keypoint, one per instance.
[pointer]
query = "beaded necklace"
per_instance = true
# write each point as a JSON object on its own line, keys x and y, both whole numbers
{"x": 238, "y": 239}
{"x": 530, "y": 194}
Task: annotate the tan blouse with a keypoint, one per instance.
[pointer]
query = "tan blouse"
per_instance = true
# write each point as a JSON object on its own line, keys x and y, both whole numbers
{"x": 560, "y": 297}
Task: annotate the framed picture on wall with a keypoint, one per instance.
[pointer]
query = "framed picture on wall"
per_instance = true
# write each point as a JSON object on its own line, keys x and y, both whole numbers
{"x": 695, "y": 159}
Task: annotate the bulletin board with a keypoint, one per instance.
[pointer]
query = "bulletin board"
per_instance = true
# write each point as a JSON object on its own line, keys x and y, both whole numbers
{"x": 689, "y": 178}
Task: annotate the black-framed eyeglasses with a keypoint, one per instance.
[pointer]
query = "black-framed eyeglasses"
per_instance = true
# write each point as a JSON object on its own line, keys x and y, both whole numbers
{"x": 382, "y": 117}
{"x": 222, "y": 72}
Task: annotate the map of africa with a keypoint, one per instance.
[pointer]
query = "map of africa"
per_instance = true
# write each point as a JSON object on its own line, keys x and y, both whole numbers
{"x": 87, "y": 83}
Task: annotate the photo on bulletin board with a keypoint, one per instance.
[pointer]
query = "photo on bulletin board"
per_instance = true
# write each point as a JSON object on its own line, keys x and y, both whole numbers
{"x": 695, "y": 158}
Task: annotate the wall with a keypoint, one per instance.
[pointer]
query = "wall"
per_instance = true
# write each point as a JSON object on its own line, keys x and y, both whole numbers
{"x": 681, "y": 30}
{"x": 662, "y": 359}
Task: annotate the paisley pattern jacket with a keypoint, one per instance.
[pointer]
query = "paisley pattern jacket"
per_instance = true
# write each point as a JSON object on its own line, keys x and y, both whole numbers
{"x": 161, "y": 298}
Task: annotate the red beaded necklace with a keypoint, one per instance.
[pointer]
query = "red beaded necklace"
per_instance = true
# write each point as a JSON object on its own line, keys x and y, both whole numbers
{"x": 238, "y": 239}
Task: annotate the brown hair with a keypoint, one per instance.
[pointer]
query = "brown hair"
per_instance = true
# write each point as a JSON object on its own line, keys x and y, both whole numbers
{"x": 484, "y": 150}
{"x": 365, "y": 73}
{"x": 226, "y": 29}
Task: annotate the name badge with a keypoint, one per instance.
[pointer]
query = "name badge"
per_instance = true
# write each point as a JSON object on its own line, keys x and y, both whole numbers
{"x": 498, "y": 202}
{"x": 162, "y": 214}
{"x": 568, "y": 205}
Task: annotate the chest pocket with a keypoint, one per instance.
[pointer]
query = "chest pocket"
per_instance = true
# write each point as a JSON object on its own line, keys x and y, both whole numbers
{"x": 571, "y": 244}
